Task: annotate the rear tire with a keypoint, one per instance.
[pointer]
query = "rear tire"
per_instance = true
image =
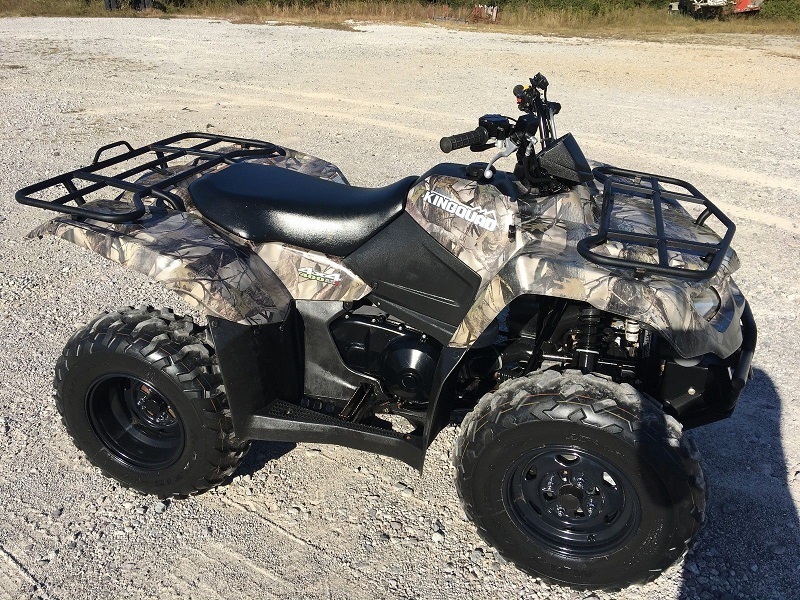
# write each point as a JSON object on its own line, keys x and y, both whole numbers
{"x": 579, "y": 481}
{"x": 140, "y": 393}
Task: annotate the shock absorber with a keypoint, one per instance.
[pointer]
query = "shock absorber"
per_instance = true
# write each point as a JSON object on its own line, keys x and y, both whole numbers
{"x": 588, "y": 346}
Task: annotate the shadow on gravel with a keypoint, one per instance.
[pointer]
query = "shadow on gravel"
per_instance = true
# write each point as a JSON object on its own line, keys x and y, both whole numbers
{"x": 260, "y": 454}
{"x": 748, "y": 547}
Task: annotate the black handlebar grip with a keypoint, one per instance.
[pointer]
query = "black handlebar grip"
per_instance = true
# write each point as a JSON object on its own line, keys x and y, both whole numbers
{"x": 462, "y": 140}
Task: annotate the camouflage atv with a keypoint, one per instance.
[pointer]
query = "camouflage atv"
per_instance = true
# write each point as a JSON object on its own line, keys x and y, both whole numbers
{"x": 577, "y": 317}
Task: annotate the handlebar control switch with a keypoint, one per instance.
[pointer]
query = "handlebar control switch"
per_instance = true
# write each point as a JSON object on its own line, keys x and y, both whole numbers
{"x": 498, "y": 126}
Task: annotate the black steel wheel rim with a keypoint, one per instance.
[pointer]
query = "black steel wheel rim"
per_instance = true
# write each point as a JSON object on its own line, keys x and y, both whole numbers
{"x": 136, "y": 423}
{"x": 572, "y": 501}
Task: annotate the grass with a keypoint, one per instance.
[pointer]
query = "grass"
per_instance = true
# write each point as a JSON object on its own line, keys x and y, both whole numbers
{"x": 587, "y": 18}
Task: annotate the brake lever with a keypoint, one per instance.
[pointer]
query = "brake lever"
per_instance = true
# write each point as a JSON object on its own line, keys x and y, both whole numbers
{"x": 509, "y": 148}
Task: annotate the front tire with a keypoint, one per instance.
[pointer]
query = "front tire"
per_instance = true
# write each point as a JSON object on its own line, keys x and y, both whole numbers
{"x": 579, "y": 481}
{"x": 141, "y": 395}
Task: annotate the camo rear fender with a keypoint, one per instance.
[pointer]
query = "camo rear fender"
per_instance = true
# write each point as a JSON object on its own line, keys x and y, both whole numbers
{"x": 186, "y": 255}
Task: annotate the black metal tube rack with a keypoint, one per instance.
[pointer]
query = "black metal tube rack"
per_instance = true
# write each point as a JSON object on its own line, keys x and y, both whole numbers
{"x": 646, "y": 185}
{"x": 164, "y": 154}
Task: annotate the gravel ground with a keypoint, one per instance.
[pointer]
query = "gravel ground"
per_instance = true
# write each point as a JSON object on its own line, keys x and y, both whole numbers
{"x": 326, "y": 522}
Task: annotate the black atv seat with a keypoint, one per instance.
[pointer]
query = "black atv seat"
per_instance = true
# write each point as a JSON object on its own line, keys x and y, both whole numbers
{"x": 263, "y": 203}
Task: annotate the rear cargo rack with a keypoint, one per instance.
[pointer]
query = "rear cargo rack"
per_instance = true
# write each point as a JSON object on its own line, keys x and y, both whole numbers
{"x": 646, "y": 185}
{"x": 158, "y": 157}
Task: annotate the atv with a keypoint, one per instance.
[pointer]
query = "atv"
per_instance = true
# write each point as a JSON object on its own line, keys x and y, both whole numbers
{"x": 576, "y": 317}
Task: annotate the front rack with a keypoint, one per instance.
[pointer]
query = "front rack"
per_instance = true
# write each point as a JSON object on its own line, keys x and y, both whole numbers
{"x": 79, "y": 184}
{"x": 647, "y": 185}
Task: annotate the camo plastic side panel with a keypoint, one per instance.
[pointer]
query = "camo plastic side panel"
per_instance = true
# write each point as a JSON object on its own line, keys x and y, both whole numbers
{"x": 305, "y": 163}
{"x": 182, "y": 252}
{"x": 311, "y": 275}
{"x": 549, "y": 264}
{"x": 662, "y": 304}
{"x": 470, "y": 220}
{"x": 220, "y": 276}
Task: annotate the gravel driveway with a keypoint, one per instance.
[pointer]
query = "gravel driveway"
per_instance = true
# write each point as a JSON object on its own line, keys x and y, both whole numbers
{"x": 311, "y": 521}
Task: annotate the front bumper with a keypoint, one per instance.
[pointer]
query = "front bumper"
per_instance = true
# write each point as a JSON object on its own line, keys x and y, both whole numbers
{"x": 743, "y": 371}
{"x": 709, "y": 391}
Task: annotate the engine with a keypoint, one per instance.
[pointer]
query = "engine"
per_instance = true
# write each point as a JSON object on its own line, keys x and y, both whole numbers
{"x": 400, "y": 357}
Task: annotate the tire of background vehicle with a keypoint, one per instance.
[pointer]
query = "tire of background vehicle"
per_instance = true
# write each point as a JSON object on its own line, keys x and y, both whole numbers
{"x": 533, "y": 455}
{"x": 140, "y": 393}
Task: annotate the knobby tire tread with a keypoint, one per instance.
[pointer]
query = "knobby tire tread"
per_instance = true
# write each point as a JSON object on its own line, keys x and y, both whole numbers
{"x": 623, "y": 412}
{"x": 144, "y": 332}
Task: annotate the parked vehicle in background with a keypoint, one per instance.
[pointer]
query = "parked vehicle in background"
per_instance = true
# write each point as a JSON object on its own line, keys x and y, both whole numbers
{"x": 715, "y": 9}
{"x": 745, "y": 7}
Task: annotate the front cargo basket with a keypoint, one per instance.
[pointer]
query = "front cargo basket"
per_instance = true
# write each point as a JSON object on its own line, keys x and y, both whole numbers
{"x": 618, "y": 183}
{"x": 124, "y": 173}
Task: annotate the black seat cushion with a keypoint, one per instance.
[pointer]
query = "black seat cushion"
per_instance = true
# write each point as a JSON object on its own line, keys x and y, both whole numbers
{"x": 262, "y": 203}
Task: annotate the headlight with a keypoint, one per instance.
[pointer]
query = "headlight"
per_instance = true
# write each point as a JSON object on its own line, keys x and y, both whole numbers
{"x": 707, "y": 303}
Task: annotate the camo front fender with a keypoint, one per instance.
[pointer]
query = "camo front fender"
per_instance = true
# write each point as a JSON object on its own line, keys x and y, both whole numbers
{"x": 182, "y": 252}
{"x": 664, "y": 304}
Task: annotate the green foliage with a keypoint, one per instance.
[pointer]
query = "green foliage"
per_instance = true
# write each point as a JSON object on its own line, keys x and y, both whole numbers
{"x": 781, "y": 9}
{"x": 592, "y": 6}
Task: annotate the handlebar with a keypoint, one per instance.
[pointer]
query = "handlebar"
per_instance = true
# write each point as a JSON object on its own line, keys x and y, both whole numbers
{"x": 461, "y": 140}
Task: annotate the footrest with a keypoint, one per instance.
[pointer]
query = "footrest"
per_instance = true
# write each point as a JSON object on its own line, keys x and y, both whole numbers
{"x": 286, "y": 411}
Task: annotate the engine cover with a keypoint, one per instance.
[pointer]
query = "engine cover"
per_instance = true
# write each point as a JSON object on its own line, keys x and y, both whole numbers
{"x": 407, "y": 369}
{"x": 402, "y": 358}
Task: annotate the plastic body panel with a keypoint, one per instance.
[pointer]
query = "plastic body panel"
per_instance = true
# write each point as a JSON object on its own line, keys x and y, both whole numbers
{"x": 544, "y": 261}
{"x": 312, "y": 275}
{"x": 184, "y": 253}
{"x": 469, "y": 219}
{"x": 407, "y": 267}
{"x": 532, "y": 250}
{"x": 216, "y": 271}
{"x": 326, "y": 374}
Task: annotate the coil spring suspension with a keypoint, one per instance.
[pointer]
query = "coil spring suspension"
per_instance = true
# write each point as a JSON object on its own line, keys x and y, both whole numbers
{"x": 588, "y": 347}
{"x": 506, "y": 374}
